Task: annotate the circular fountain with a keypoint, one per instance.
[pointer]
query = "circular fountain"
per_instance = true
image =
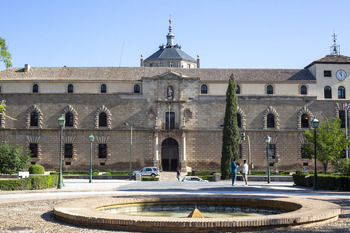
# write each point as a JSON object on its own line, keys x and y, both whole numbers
{"x": 273, "y": 213}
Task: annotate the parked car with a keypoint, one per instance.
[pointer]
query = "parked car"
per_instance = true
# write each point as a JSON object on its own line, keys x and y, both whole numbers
{"x": 193, "y": 178}
{"x": 147, "y": 171}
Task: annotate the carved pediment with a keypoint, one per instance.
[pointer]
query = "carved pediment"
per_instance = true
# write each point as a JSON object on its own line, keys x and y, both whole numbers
{"x": 170, "y": 75}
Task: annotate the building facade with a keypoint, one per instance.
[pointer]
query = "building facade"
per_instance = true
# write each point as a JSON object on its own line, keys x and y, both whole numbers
{"x": 176, "y": 110}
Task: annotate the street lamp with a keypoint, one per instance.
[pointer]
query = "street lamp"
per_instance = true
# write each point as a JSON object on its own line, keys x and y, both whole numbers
{"x": 346, "y": 105}
{"x": 91, "y": 139}
{"x": 131, "y": 126}
{"x": 61, "y": 122}
{"x": 315, "y": 124}
{"x": 268, "y": 140}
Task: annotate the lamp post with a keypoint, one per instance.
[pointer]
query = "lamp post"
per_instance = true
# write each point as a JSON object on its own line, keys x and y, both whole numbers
{"x": 268, "y": 140}
{"x": 315, "y": 124}
{"x": 346, "y": 105}
{"x": 131, "y": 126}
{"x": 61, "y": 122}
{"x": 91, "y": 139}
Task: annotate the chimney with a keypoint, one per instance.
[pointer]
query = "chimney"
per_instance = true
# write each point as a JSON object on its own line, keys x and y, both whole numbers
{"x": 198, "y": 61}
{"x": 26, "y": 67}
{"x": 141, "y": 61}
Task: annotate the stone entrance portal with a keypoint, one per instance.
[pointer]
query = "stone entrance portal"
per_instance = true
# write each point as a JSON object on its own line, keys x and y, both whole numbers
{"x": 170, "y": 154}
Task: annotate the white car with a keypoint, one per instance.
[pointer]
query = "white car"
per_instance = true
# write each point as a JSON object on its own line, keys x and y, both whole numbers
{"x": 147, "y": 171}
{"x": 193, "y": 178}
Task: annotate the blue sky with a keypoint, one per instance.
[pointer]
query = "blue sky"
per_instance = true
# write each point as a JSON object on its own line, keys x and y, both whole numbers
{"x": 226, "y": 34}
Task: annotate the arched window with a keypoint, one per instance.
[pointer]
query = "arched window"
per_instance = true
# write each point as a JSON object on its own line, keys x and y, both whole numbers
{"x": 103, "y": 88}
{"x": 270, "y": 121}
{"x": 137, "y": 88}
{"x": 269, "y": 90}
{"x": 69, "y": 119}
{"x": 303, "y": 90}
{"x": 204, "y": 89}
{"x": 239, "y": 120}
{"x": 70, "y": 88}
{"x": 341, "y": 92}
{"x": 34, "y": 119}
{"x": 327, "y": 92}
{"x": 238, "y": 90}
{"x": 102, "y": 120}
{"x": 304, "y": 121}
{"x": 35, "y": 88}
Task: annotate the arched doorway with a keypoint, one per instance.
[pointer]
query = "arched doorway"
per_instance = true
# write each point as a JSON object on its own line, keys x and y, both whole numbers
{"x": 170, "y": 154}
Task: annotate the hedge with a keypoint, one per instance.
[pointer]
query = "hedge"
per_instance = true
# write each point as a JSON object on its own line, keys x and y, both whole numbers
{"x": 150, "y": 178}
{"x": 109, "y": 172}
{"x": 325, "y": 182}
{"x": 94, "y": 172}
{"x": 30, "y": 183}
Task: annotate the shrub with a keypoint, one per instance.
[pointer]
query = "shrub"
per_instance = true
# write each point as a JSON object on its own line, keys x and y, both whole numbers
{"x": 18, "y": 184}
{"x": 299, "y": 179}
{"x": 38, "y": 182}
{"x": 150, "y": 178}
{"x": 95, "y": 172}
{"x": 36, "y": 169}
{"x": 53, "y": 182}
{"x": 33, "y": 182}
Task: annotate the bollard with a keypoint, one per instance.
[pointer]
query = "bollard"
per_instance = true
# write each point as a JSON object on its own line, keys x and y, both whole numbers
{"x": 138, "y": 177}
{"x": 216, "y": 177}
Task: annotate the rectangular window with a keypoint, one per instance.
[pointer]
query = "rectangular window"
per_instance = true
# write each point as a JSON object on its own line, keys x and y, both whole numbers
{"x": 327, "y": 73}
{"x": 272, "y": 151}
{"x": 170, "y": 121}
{"x": 33, "y": 148}
{"x": 68, "y": 150}
{"x": 68, "y": 163}
{"x": 102, "y": 151}
{"x": 305, "y": 164}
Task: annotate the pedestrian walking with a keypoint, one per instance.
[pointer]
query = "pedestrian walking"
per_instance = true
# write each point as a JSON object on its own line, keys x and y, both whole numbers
{"x": 234, "y": 167}
{"x": 178, "y": 174}
{"x": 245, "y": 172}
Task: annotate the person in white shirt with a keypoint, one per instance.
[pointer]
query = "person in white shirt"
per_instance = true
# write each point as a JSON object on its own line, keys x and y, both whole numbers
{"x": 245, "y": 172}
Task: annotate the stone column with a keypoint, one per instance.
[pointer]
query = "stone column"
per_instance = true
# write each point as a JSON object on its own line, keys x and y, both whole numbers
{"x": 156, "y": 150}
{"x": 183, "y": 161}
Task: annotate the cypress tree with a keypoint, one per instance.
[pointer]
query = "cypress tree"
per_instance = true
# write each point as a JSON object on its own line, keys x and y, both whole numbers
{"x": 230, "y": 137}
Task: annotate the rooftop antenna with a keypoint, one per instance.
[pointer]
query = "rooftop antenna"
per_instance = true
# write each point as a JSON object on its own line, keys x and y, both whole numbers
{"x": 335, "y": 49}
{"x": 121, "y": 54}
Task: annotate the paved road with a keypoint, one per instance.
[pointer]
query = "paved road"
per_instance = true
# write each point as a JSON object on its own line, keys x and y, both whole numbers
{"x": 41, "y": 201}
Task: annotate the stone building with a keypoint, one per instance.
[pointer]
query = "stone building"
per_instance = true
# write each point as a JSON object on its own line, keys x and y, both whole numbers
{"x": 175, "y": 108}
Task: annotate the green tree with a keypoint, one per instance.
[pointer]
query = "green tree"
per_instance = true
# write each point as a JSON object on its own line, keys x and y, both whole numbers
{"x": 12, "y": 158}
{"x": 330, "y": 143}
{"x": 5, "y": 56}
{"x": 230, "y": 138}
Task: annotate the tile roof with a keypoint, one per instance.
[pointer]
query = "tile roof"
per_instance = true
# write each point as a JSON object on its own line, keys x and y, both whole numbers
{"x": 335, "y": 59}
{"x": 136, "y": 73}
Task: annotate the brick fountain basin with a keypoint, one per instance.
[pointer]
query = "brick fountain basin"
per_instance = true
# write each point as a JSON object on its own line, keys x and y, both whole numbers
{"x": 302, "y": 212}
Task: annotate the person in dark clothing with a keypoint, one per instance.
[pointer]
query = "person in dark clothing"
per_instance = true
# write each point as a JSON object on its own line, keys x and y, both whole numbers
{"x": 178, "y": 174}
{"x": 234, "y": 167}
